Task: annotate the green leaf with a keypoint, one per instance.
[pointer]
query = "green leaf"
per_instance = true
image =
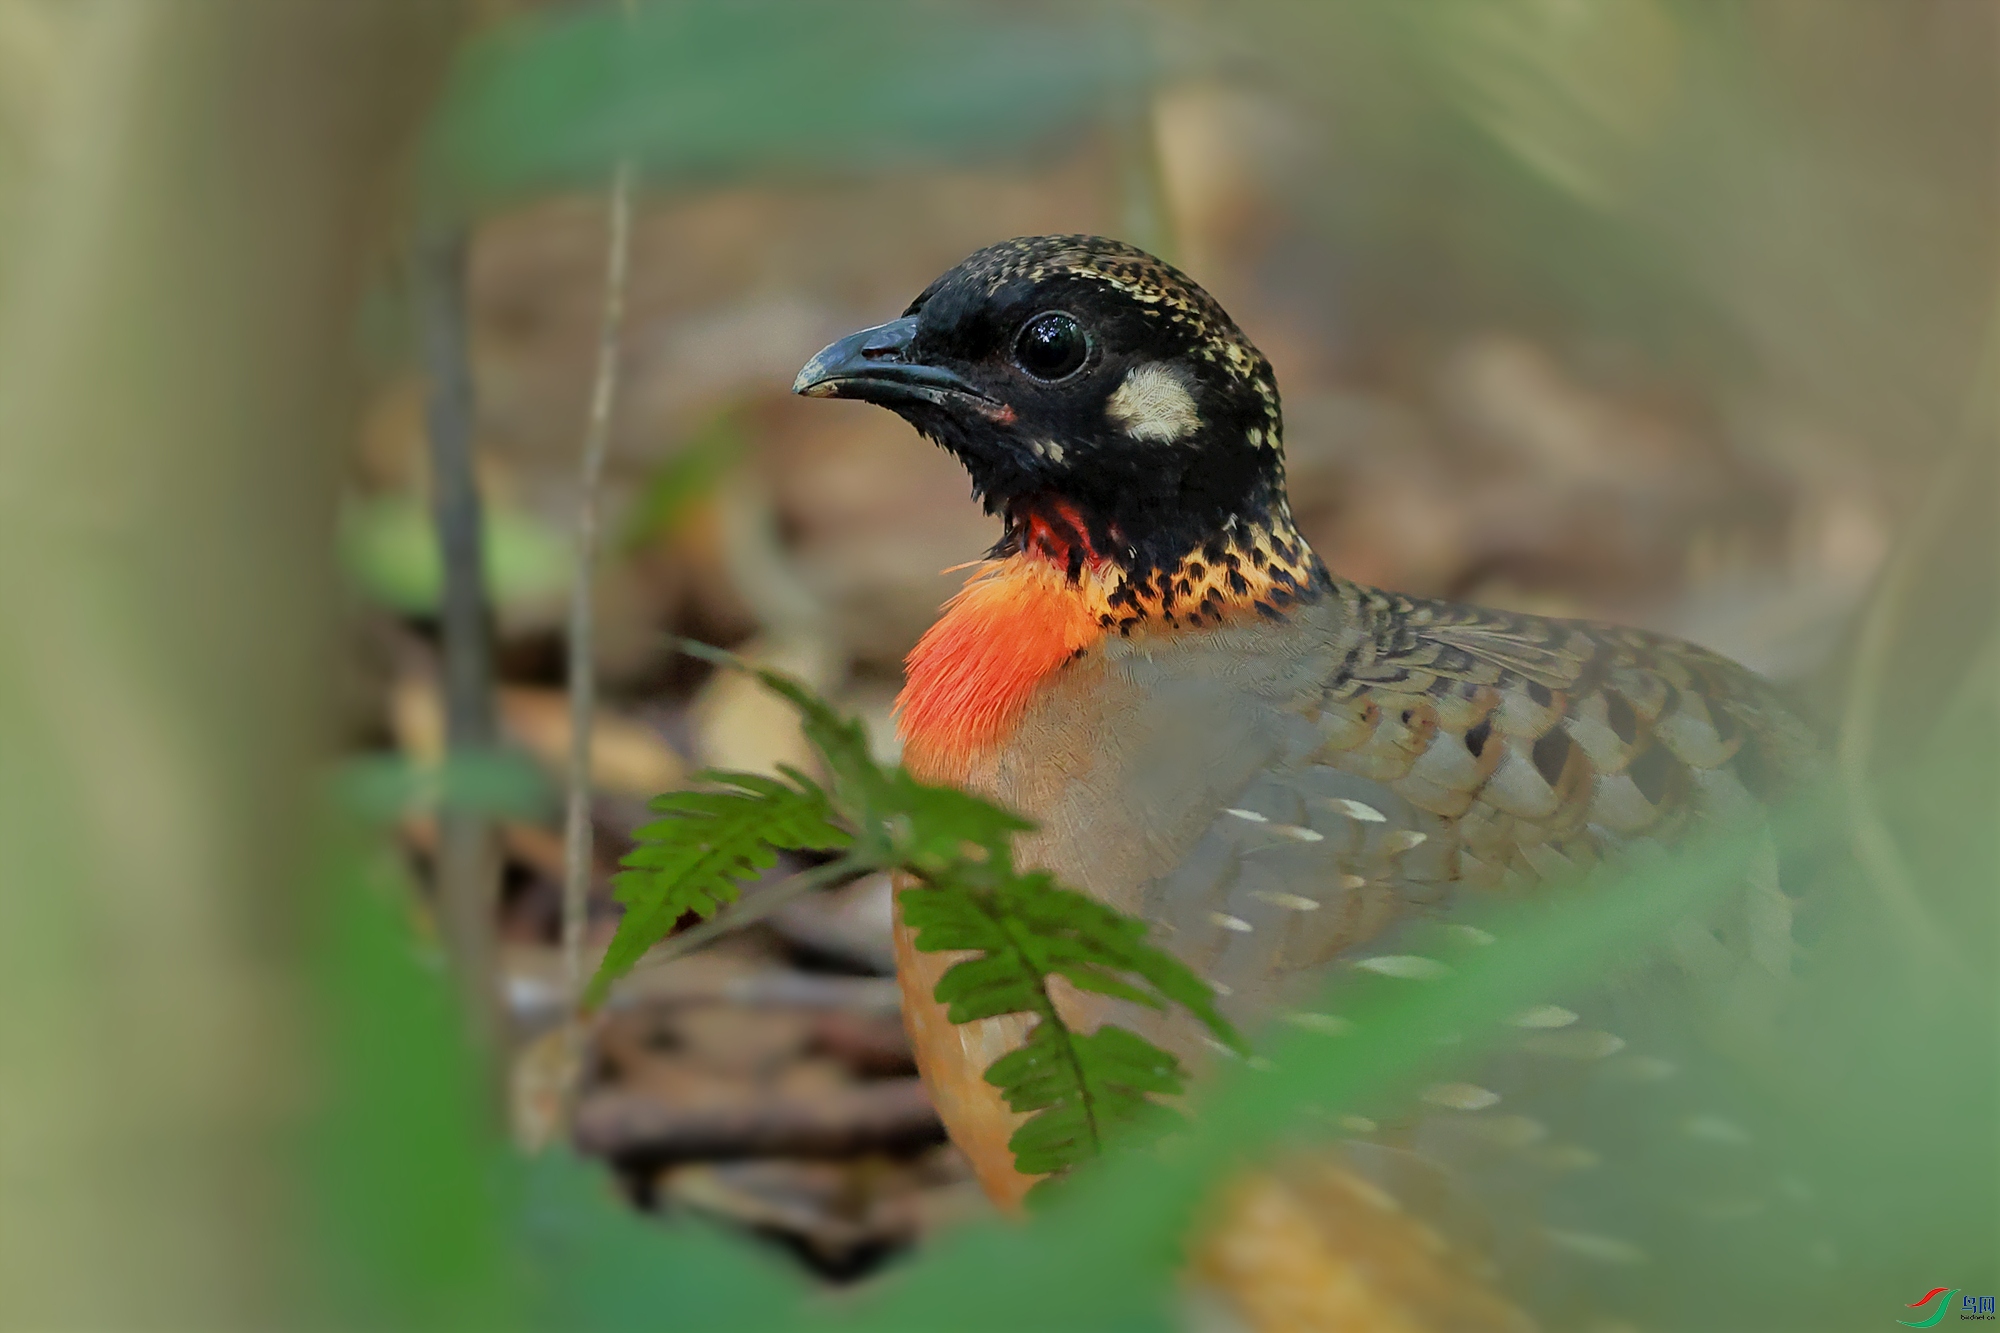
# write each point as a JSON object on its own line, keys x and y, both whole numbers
{"x": 1020, "y": 928}
{"x": 1032, "y": 929}
{"x": 931, "y": 828}
{"x": 1082, "y": 939}
{"x": 400, "y": 1165}
{"x": 842, "y": 742}
{"x": 696, "y": 858}
{"x": 922, "y": 827}
{"x": 1089, "y": 1089}
{"x": 712, "y": 90}
{"x": 381, "y": 788}
{"x": 594, "y": 1264}
{"x": 389, "y": 547}
{"x": 1083, "y": 1090}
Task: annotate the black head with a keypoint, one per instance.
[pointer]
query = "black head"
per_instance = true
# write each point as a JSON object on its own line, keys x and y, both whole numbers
{"x": 1080, "y": 376}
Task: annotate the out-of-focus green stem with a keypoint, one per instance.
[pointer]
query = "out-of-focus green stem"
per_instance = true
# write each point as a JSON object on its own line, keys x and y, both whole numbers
{"x": 1878, "y": 643}
{"x": 173, "y": 388}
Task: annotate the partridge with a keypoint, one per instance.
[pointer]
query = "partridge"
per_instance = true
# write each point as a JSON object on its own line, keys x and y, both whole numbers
{"x": 1274, "y": 766}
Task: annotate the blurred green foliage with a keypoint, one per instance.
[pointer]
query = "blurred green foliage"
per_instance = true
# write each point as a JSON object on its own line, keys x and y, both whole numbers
{"x": 425, "y": 1217}
{"x": 380, "y": 788}
{"x": 389, "y": 547}
{"x": 404, "y": 1165}
{"x": 683, "y": 480}
{"x": 717, "y": 90}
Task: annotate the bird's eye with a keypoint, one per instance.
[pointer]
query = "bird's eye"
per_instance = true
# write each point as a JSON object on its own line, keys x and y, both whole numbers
{"x": 1051, "y": 346}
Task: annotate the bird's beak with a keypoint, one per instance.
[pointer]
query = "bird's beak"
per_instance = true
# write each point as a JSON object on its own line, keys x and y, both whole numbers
{"x": 875, "y": 365}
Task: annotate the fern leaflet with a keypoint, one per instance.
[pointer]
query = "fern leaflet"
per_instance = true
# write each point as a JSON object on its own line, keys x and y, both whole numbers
{"x": 695, "y": 859}
{"x": 1088, "y": 1088}
{"x": 1081, "y": 1091}
{"x": 1084, "y": 1090}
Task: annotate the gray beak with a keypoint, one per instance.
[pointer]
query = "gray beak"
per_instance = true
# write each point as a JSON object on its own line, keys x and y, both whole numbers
{"x": 872, "y": 365}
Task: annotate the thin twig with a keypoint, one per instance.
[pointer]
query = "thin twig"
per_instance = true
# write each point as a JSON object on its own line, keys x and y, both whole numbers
{"x": 577, "y": 831}
{"x": 468, "y": 866}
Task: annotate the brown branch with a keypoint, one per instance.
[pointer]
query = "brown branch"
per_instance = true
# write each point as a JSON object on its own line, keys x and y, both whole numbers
{"x": 884, "y": 1114}
{"x": 870, "y": 1044}
{"x": 468, "y": 864}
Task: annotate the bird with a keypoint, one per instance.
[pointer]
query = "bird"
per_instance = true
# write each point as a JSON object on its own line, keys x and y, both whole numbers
{"x": 1274, "y": 766}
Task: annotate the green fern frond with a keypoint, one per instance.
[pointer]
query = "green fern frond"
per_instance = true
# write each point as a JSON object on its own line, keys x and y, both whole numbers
{"x": 697, "y": 857}
{"x": 1089, "y": 1090}
{"x": 842, "y": 742}
{"x": 1089, "y": 944}
{"x": 932, "y": 829}
{"x": 1083, "y": 1090}
{"x": 1027, "y": 929}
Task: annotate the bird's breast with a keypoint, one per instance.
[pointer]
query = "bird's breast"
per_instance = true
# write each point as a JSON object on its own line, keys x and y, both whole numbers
{"x": 1020, "y": 623}
{"x": 1016, "y": 625}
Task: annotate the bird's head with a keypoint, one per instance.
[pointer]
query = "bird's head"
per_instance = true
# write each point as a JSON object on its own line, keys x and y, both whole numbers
{"x": 1091, "y": 391}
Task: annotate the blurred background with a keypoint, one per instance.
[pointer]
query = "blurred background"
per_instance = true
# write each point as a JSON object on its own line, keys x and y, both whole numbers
{"x": 1678, "y": 313}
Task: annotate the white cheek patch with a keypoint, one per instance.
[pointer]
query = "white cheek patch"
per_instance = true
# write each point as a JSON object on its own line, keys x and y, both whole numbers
{"x": 1154, "y": 404}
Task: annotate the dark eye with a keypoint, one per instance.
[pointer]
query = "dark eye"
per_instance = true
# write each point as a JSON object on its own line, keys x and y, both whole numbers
{"x": 1051, "y": 346}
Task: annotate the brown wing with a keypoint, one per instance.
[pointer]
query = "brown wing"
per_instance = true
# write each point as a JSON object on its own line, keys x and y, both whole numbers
{"x": 1458, "y": 751}
{"x": 1553, "y": 742}
{"x": 1461, "y": 749}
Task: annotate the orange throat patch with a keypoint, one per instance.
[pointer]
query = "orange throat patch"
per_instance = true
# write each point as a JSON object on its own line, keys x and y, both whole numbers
{"x": 1016, "y": 623}
{"x": 1019, "y": 621}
